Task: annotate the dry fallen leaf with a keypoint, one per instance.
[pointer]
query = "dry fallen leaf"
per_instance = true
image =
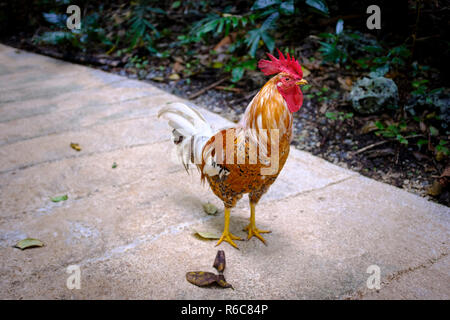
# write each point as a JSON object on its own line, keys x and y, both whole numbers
{"x": 210, "y": 208}
{"x": 306, "y": 72}
{"x": 346, "y": 83}
{"x": 29, "y": 243}
{"x": 174, "y": 77}
{"x": 369, "y": 127}
{"x": 201, "y": 278}
{"x": 435, "y": 189}
{"x": 159, "y": 79}
{"x": 75, "y": 146}
{"x": 207, "y": 235}
{"x": 222, "y": 282}
{"x": 219, "y": 262}
{"x": 446, "y": 172}
{"x": 177, "y": 67}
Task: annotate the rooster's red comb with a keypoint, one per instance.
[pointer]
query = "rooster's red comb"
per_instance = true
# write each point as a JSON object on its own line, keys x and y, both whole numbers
{"x": 282, "y": 64}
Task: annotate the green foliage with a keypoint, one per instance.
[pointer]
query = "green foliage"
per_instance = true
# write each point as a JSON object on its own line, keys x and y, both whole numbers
{"x": 137, "y": 62}
{"x": 142, "y": 31}
{"x": 90, "y": 31}
{"x": 57, "y": 37}
{"x": 219, "y": 24}
{"x": 392, "y": 131}
{"x": 237, "y": 67}
{"x": 341, "y": 116}
{"x": 442, "y": 148}
{"x": 263, "y": 33}
{"x": 271, "y": 11}
{"x": 319, "y": 5}
{"x": 334, "y": 48}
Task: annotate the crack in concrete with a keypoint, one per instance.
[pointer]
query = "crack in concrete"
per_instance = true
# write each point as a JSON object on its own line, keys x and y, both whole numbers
{"x": 350, "y": 176}
{"x": 92, "y": 126}
{"x": 80, "y": 156}
{"x": 72, "y": 92}
{"x": 171, "y": 230}
{"x": 360, "y": 294}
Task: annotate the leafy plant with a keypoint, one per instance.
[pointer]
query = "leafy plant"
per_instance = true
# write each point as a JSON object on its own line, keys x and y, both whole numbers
{"x": 219, "y": 24}
{"x": 442, "y": 148}
{"x": 319, "y": 5}
{"x": 142, "y": 31}
{"x": 238, "y": 67}
{"x": 90, "y": 31}
{"x": 256, "y": 35}
{"x": 392, "y": 131}
{"x": 272, "y": 9}
{"x": 333, "y": 49}
{"x": 57, "y": 37}
{"x": 341, "y": 116}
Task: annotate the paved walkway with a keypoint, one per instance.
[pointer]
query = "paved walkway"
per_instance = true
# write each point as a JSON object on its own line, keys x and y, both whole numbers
{"x": 130, "y": 229}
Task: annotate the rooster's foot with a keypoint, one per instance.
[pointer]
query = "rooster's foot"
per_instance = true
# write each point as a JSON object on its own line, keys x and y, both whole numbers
{"x": 253, "y": 231}
{"x": 228, "y": 237}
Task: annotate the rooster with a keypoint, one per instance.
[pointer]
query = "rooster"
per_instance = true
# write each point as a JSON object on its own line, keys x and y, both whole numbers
{"x": 247, "y": 158}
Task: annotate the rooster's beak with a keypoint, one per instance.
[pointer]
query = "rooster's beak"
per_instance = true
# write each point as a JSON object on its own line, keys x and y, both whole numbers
{"x": 301, "y": 82}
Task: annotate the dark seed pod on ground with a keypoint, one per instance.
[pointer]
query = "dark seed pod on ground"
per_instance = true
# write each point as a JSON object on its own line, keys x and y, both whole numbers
{"x": 201, "y": 278}
{"x": 222, "y": 282}
{"x": 219, "y": 262}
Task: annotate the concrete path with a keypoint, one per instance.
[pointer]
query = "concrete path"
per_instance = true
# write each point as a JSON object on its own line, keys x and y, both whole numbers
{"x": 130, "y": 229}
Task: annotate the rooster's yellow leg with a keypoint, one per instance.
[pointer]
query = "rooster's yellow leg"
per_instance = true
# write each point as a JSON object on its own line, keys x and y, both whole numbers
{"x": 226, "y": 235}
{"x": 251, "y": 228}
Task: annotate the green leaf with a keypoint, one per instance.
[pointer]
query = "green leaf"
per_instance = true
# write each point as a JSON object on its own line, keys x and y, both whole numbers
{"x": 421, "y": 142}
{"x": 434, "y": 131}
{"x": 331, "y": 115}
{"x": 388, "y": 134}
{"x": 261, "y": 4}
{"x": 249, "y": 64}
{"x": 339, "y": 26}
{"x": 60, "y": 198}
{"x": 54, "y": 18}
{"x": 254, "y": 36}
{"x": 326, "y": 35}
{"x": 269, "y": 41}
{"x": 56, "y": 37}
{"x": 379, "y": 125}
{"x": 319, "y": 5}
{"x": 176, "y": 4}
{"x": 401, "y": 139}
{"x": 237, "y": 74}
{"x": 374, "y": 49}
{"x": 29, "y": 243}
{"x": 287, "y": 7}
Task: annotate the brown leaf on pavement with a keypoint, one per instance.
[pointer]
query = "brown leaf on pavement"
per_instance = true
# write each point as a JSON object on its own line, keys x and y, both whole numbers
{"x": 201, "y": 278}
{"x": 219, "y": 262}
{"x": 75, "y": 146}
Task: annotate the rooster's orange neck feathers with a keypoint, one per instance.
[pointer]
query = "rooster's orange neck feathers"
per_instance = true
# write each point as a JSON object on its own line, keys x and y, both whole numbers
{"x": 268, "y": 110}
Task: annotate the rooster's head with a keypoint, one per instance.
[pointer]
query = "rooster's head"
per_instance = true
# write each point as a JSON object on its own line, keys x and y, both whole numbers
{"x": 289, "y": 77}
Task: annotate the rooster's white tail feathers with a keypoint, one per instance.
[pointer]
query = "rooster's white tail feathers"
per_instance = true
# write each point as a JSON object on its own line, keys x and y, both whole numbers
{"x": 190, "y": 132}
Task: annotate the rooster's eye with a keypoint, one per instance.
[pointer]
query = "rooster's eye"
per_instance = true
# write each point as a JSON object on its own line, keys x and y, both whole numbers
{"x": 287, "y": 79}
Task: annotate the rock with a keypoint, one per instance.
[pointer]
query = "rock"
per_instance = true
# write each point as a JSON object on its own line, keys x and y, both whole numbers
{"x": 372, "y": 95}
{"x": 438, "y": 100}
